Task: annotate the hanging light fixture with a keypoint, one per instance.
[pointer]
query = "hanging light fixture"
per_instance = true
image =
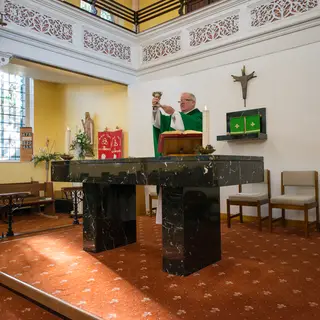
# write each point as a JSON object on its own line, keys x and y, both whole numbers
{"x": 2, "y": 13}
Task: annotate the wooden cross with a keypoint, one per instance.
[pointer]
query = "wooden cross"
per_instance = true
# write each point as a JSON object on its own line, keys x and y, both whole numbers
{"x": 244, "y": 79}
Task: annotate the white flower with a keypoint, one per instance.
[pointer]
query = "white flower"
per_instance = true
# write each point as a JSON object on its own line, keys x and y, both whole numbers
{"x": 248, "y": 308}
{"x": 215, "y": 310}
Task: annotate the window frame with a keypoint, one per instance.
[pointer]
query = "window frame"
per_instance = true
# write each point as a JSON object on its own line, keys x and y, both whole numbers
{"x": 28, "y": 114}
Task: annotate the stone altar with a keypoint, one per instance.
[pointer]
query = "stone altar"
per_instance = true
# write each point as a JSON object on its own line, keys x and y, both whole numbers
{"x": 191, "y": 235}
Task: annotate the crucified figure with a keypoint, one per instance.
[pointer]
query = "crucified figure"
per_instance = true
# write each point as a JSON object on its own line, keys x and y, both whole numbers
{"x": 244, "y": 79}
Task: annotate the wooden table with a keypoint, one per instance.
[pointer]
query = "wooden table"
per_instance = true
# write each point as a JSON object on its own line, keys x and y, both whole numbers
{"x": 76, "y": 194}
{"x": 12, "y": 201}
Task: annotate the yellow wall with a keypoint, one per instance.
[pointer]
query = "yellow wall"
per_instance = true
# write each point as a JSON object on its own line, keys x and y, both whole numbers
{"x": 154, "y": 22}
{"x": 107, "y": 105}
{"x": 47, "y": 123}
{"x": 142, "y": 4}
{"x": 127, "y": 3}
{"x": 57, "y": 106}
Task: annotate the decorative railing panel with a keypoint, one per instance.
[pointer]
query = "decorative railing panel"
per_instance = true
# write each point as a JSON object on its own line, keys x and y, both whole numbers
{"x": 276, "y": 10}
{"x": 163, "y": 48}
{"x": 84, "y": 36}
{"x": 33, "y": 20}
{"x": 106, "y": 46}
{"x": 214, "y": 30}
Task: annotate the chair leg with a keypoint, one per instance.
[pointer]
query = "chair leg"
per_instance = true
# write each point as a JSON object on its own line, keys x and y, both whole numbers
{"x": 150, "y": 205}
{"x": 270, "y": 217}
{"x": 306, "y": 222}
{"x": 259, "y": 216}
{"x": 283, "y": 221}
{"x": 241, "y": 216}
{"x": 317, "y": 218}
{"x": 228, "y": 214}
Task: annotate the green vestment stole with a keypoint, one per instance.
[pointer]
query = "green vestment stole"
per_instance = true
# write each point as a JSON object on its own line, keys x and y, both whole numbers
{"x": 191, "y": 120}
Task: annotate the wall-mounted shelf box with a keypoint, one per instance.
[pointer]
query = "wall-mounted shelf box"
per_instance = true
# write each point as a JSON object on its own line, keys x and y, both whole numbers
{"x": 250, "y": 136}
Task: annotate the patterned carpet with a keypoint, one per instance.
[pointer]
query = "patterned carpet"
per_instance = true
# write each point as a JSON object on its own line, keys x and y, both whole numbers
{"x": 261, "y": 275}
{"x": 34, "y": 222}
{"x": 13, "y": 307}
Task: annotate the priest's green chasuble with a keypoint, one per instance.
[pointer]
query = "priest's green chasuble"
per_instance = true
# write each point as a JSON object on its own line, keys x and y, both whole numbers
{"x": 191, "y": 121}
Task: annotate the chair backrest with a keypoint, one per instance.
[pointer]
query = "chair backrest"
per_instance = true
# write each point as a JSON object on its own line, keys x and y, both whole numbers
{"x": 300, "y": 179}
{"x": 266, "y": 180}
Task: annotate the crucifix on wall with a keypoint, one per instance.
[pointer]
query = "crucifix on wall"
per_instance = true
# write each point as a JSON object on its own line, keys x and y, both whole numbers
{"x": 244, "y": 79}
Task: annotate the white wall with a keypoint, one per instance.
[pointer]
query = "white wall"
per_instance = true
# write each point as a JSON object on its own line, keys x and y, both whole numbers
{"x": 287, "y": 85}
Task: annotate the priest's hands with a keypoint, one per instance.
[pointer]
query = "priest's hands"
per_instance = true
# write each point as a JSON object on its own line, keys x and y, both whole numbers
{"x": 168, "y": 109}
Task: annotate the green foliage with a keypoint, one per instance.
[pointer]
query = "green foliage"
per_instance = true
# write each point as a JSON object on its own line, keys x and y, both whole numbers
{"x": 46, "y": 154}
{"x": 81, "y": 143}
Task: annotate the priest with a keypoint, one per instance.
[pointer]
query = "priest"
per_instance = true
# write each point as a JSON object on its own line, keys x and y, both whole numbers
{"x": 165, "y": 118}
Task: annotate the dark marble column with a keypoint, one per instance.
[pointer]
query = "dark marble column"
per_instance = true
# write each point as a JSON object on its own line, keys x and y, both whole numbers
{"x": 109, "y": 219}
{"x": 190, "y": 228}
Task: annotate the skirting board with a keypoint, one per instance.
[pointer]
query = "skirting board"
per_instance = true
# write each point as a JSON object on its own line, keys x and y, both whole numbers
{"x": 52, "y": 303}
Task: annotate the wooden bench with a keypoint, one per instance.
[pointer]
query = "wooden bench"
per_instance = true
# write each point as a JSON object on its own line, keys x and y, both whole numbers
{"x": 41, "y": 194}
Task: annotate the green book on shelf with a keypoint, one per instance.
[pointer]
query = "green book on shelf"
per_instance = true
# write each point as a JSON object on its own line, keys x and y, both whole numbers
{"x": 237, "y": 125}
{"x": 253, "y": 123}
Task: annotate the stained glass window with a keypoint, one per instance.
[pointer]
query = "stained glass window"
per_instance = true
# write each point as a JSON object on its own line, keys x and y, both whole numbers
{"x": 12, "y": 114}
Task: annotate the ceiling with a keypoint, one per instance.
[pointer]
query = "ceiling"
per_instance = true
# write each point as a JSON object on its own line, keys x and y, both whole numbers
{"x": 46, "y": 73}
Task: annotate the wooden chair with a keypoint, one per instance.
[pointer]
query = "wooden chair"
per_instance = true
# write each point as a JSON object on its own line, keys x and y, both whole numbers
{"x": 243, "y": 199}
{"x": 302, "y": 202}
{"x": 152, "y": 196}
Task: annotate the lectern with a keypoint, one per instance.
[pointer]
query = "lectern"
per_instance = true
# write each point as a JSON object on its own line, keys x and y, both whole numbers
{"x": 175, "y": 143}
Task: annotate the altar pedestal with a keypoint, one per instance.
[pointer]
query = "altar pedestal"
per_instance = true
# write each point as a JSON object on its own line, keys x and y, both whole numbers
{"x": 191, "y": 202}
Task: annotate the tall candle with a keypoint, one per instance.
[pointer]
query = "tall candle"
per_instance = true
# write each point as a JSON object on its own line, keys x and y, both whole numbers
{"x": 68, "y": 140}
{"x": 2, "y": 6}
{"x": 205, "y": 127}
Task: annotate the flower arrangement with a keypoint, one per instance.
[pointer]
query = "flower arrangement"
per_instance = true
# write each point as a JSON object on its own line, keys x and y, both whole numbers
{"x": 81, "y": 145}
{"x": 46, "y": 155}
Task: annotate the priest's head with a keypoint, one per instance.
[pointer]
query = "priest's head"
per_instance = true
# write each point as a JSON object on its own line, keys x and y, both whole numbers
{"x": 187, "y": 102}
